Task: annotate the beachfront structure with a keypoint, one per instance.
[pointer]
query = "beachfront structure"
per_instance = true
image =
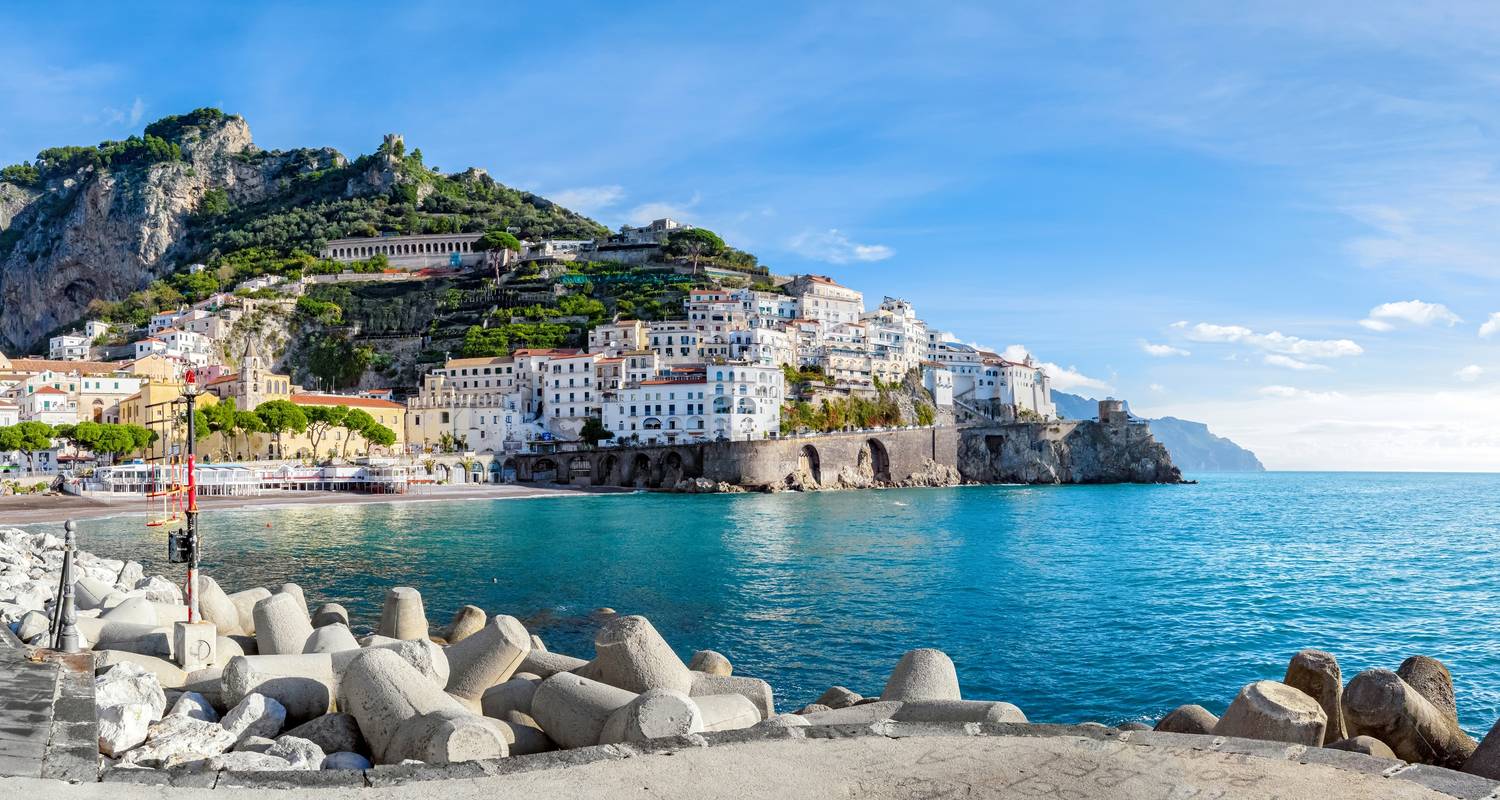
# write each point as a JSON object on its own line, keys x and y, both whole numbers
{"x": 699, "y": 403}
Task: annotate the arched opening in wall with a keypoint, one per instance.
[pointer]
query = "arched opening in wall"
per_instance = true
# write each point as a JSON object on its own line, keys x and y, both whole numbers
{"x": 440, "y": 472}
{"x": 508, "y": 471}
{"x": 544, "y": 469}
{"x": 672, "y": 469}
{"x": 874, "y": 461}
{"x": 606, "y": 474}
{"x": 640, "y": 472}
{"x": 580, "y": 467}
{"x": 808, "y": 464}
{"x": 98, "y": 410}
{"x": 496, "y": 474}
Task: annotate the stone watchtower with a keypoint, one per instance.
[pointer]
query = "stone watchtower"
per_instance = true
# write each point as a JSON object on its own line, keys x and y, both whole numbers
{"x": 1112, "y": 412}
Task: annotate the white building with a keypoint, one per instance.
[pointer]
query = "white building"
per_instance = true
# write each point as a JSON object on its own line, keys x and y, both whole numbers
{"x": 69, "y": 347}
{"x": 771, "y": 347}
{"x": 571, "y": 393}
{"x": 10, "y": 414}
{"x": 163, "y": 320}
{"x": 675, "y": 341}
{"x": 897, "y": 338}
{"x": 821, "y": 298}
{"x": 50, "y": 406}
{"x": 701, "y": 403}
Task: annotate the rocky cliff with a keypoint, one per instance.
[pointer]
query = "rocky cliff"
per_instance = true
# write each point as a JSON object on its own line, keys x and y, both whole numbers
{"x": 1193, "y": 446}
{"x": 1064, "y": 452}
{"x": 103, "y": 231}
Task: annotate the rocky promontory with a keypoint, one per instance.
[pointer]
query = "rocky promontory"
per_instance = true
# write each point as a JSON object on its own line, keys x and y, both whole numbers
{"x": 1065, "y": 451}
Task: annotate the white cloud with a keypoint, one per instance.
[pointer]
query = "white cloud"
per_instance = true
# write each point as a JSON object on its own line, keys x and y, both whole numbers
{"x": 588, "y": 199}
{"x": 1491, "y": 326}
{"x": 1163, "y": 350}
{"x": 137, "y": 110}
{"x": 1294, "y": 393}
{"x": 1275, "y": 341}
{"x": 1278, "y": 360}
{"x": 1415, "y": 312}
{"x": 1156, "y": 387}
{"x": 1015, "y": 352}
{"x": 1069, "y": 378}
{"x": 834, "y": 247}
{"x": 1470, "y": 373}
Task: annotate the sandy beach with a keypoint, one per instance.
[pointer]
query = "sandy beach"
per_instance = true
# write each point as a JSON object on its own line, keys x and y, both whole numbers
{"x": 31, "y": 509}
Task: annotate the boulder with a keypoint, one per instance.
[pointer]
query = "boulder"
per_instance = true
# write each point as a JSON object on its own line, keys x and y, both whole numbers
{"x": 168, "y": 675}
{"x": 159, "y": 590}
{"x": 1431, "y": 679}
{"x": 1316, "y": 674}
{"x": 300, "y": 753}
{"x": 332, "y": 732}
{"x": 346, "y": 760}
{"x": 657, "y": 713}
{"x": 1378, "y": 703}
{"x": 122, "y": 727}
{"x": 129, "y": 684}
{"x": 1368, "y": 745}
{"x": 304, "y": 685}
{"x": 330, "y": 639}
{"x": 1193, "y": 719}
{"x": 248, "y": 761}
{"x": 924, "y": 674}
{"x": 838, "y": 697}
{"x": 330, "y": 614}
{"x": 727, "y": 712}
{"x": 194, "y": 706}
{"x": 631, "y": 655}
{"x": 486, "y": 658}
{"x": 244, "y": 606}
{"x": 1273, "y": 711}
{"x": 281, "y": 625}
{"x": 573, "y": 710}
{"x": 254, "y": 744}
{"x": 33, "y": 624}
{"x": 403, "y": 616}
{"x": 710, "y": 661}
{"x": 755, "y": 690}
{"x": 255, "y": 715}
{"x": 467, "y": 621}
{"x": 957, "y": 711}
{"x": 180, "y": 739}
{"x": 512, "y": 695}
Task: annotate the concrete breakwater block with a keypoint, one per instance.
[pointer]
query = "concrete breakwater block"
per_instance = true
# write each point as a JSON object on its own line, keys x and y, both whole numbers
{"x": 330, "y": 614}
{"x": 1273, "y": 711}
{"x": 486, "y": 657}
{"x": 1188, "y": 719}
{"x": 403, "y": 616}
{"x": 757, "y": 691}
{"x": 958, "y": 711}
{"x": 384, "y": 692}
{"x": 1316, "y": 674}
{"x": 545, "y": 664}
{"x": 330, "y": 639}
{"x": 427, "y": 658}
{"x": 660, "y": 712}
{"x": 296, "y": 591}
{"x": 1378, "y": 703}
{"x": 711, "y": 661}
{"x": 147, "y": 640}
{"x": 862, "y": 714}
{"x": 466, "y": 622}
{"x": 217, "y": 607}
{"x": 512, "y": 695}
{"x": 923, "y": 674}
{"x": 303, "y": 684}
{"x": 631, "y": 655}
{"x": 522, "y": 736}
{"x": 1367, "y": 745}
{"x": 281, "y": 625}
{"x": 838, "y": 697}
{"x": 727, "y": 712}
{"x": 1431, "y": 679}
{"x": 573, "y": 709}
{"x": 244, "y": 606}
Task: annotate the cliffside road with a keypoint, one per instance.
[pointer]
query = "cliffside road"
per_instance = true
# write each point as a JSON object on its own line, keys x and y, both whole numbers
{"x": 876, "y": 766}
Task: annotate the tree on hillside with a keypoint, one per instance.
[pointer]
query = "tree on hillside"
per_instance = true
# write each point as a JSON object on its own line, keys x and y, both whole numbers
{"x": 496, "y": 239}
{"x": 281, "y": 417}
{"x": 322, "y": 419}
{"x": 356, "y": 421}
{"x": 694, "y": 243}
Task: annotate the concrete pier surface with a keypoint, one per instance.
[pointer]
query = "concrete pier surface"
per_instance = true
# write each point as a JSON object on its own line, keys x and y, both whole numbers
{"x": 886, "y": 760}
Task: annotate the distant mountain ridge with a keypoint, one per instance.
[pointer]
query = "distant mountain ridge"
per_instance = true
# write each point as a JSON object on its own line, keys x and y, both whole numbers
{"x": 1193, "y": 446}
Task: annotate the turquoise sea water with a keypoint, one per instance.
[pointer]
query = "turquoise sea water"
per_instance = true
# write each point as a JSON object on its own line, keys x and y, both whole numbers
{"x": 1106, "y": 603}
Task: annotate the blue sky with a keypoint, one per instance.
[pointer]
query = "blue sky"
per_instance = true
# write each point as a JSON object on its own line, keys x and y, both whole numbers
{"x": 1192, "y": 208}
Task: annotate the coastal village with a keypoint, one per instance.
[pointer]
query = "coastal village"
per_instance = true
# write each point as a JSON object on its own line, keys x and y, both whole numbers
{"x": 748, "y": 356}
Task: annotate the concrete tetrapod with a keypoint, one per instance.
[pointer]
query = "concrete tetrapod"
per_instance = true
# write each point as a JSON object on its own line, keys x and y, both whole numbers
{"x": 727, "y": 712}
{"x": 304, "y": 684}
{"x": 629, "y": 654}
{"x": 296, "y": 591}
{"x": 244, "y": 606}
{"x": 1316, "y": 674}
{"x": 1188, "y": 719}
{"x": 1378, "y": 703}
{"x": 657, "y": 713}
{"x": 217, "y": 607}
{"x": 330, "y": 639}
{"x": 522, "y": 736}
{"x": 544, "y": 664}
{"x": 403, "y": 616}
{"x": 1431, "y": 679}
{"x": 755, "y": 690}
{"x": 573, "y": 710}
{"x": 923, "y": 674}
{"x": 512, "y": 695}
{"x": 467, "y": 621}
{"x": 1368, "y": 745}
{"x": 711, "y": 661}
{"x": 383, "y": 692}
{"x": 1275, "y": 712}
{"x": 330, "y": 614}
{"x": 1485, "y": 761}
{"x": 958, "y": 711}
{"x": 446, "y": 736}
{"x": 486, "y": 658}
{"x": 281, "y": 625}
